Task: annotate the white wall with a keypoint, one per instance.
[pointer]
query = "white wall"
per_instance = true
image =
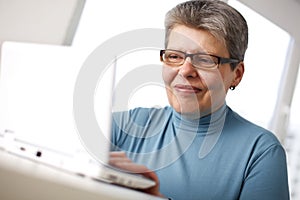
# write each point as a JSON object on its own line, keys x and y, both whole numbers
{"x": 40, "y": 21}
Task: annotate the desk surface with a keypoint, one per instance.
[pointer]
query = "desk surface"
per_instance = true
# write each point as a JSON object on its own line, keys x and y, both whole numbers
{"x": 24, "y": 179}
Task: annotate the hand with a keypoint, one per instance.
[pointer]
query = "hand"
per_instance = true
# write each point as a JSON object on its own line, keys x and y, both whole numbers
{"x": 120, "y": 160}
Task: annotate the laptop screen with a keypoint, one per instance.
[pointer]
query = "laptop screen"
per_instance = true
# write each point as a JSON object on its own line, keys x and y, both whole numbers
{"x": 36, "y": 90}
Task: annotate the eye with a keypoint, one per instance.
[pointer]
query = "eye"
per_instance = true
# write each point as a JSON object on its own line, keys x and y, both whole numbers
{"x": 173, "y": 57}
{"x": 204, "y": 60}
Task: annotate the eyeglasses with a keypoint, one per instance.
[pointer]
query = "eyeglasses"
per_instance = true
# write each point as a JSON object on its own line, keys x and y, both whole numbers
{"x": 176, "y": 58}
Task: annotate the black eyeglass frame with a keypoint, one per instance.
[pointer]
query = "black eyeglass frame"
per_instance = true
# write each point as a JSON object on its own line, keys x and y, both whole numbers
{"x": 221, "y": 60}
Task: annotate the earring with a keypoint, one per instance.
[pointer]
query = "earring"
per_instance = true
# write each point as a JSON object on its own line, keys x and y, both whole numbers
{"x": 232, "y": 87}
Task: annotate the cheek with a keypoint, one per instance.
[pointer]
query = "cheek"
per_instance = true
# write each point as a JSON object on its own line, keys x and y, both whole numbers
{"x": 168, "y": 75}
{"x": 227, "y": 77}
{"x": 216, "y": 89}
{"x": 212, "y": 79}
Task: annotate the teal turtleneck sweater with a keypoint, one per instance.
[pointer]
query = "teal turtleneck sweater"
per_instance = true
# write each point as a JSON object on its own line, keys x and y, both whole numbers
{"x": 221, "y": 156}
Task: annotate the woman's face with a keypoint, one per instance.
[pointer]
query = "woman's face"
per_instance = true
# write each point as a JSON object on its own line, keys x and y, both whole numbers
{"x": 192, "y": 90}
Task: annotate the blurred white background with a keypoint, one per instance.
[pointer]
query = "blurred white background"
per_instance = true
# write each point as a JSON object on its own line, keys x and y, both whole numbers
{"x": 255, "y": 98}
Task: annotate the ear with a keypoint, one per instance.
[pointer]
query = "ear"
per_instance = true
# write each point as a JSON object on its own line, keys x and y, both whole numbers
{"x": 238, "y": 74}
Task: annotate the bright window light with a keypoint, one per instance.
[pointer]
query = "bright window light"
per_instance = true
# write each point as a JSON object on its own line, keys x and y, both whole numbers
{"x": 256, "y": 96}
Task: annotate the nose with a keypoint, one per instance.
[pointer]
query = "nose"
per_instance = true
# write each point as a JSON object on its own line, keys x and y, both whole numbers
{"x": 187, "y": 69}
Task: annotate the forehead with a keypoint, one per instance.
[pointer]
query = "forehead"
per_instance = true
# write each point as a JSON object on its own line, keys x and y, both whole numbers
{"x": 194, "y": 40}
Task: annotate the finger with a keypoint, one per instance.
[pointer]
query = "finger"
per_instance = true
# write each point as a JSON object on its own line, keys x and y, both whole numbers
{"x": 113, "y": 161}
{"x": 155, "y": 189}
{"x": 117, "y": 154}
{"x": 118, "y": 157}
{"x": 132, "y": 167}
{"x": 152, "y": 175}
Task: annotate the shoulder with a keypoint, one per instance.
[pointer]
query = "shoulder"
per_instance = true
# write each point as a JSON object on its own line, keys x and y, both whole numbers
{"x": 259, "y": 138}
{"x": 259, "y": 146}
{"x": 143, "y": 111}
{"x": 238, "y": 122}
{"x": 131, "y": 128}
{"x": 142, "y": 115}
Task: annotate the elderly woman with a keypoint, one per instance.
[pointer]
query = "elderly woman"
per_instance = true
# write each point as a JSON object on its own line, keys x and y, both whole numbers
{"x": 198, "y": 148}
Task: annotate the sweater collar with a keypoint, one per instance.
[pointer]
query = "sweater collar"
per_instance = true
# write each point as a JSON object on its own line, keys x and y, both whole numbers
{"x": 208, "y": 124}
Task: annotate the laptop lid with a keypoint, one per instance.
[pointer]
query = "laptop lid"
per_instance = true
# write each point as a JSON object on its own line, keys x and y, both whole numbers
{"x": 36, "y": 94}
{"x": 36, "y": 102}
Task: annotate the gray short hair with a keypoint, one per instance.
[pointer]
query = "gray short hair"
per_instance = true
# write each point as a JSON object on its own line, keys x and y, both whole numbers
{"x": 220, "y": 19}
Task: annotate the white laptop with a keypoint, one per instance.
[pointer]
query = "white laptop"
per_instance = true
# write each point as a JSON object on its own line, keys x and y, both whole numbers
{"x": 36, "y": 118}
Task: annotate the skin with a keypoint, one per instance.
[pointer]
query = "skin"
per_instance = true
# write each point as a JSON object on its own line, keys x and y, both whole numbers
{"x": 191, "y": 92}
{"x": 120, "y": 160}
{"x": 198, "y": 91}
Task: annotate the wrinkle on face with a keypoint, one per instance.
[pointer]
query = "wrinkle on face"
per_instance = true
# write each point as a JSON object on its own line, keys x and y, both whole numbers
{"x": 213, "y": 83}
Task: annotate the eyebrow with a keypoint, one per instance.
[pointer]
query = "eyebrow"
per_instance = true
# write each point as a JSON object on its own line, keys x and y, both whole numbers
{"x": 192, "y": 52}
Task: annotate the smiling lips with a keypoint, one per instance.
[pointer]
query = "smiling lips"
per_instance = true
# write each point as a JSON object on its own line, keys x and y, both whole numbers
{"x": 187, "y": 88}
